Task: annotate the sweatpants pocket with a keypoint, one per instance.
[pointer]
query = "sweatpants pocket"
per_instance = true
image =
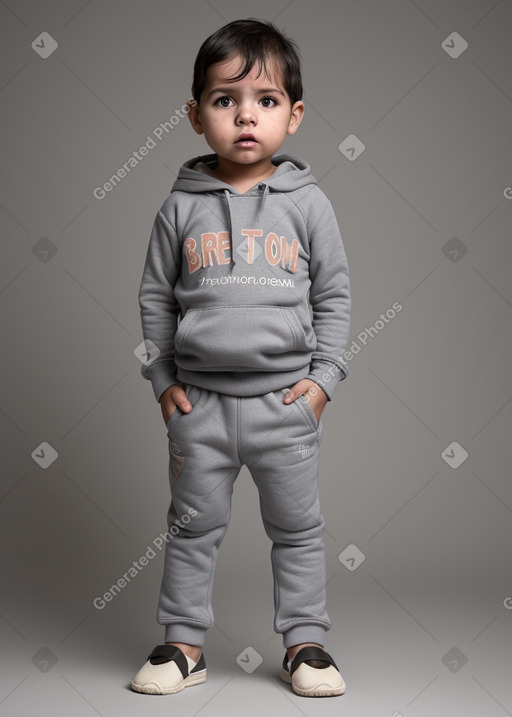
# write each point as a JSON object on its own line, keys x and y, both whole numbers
{"x": 177, "y": 456}
{"x": 304, "y": 407}
{"x": 193, "y": 394}
{"x": 175, "y": 416}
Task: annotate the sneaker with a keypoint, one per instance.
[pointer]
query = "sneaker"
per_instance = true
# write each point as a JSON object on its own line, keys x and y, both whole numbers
{"x": 168, "y": 670}
{"x": 313, "y": 673}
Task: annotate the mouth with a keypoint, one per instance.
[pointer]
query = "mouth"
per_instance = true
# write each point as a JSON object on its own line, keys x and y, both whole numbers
{"x": 246, "y": 140}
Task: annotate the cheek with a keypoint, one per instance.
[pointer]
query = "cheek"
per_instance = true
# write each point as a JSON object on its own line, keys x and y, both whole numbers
{"x": 217, "y": 125}
{"x": 276, "y": 124}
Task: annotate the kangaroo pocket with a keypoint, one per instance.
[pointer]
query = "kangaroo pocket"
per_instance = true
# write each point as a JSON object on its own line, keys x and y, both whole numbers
{"x": 242, "y": 338}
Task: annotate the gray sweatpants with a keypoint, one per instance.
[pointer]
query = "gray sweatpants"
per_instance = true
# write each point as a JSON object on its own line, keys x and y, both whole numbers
{"x": 279, "y": 443}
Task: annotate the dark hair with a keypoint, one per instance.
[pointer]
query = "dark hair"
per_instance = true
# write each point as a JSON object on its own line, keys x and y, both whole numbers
{"x": 256, "y": 41}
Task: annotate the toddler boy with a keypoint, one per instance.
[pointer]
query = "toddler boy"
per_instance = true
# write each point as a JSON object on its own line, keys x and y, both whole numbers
{"x": 246, "y": 252}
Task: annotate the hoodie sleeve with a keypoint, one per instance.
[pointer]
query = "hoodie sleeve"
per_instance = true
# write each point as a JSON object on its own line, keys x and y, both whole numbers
{"x": 330, "y": 301}
{"x": 159, "y": 308}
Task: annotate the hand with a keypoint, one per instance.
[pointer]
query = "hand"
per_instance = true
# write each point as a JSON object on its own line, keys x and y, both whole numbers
{"x": 313, "y": 392}
{"x": 171, "y": 398}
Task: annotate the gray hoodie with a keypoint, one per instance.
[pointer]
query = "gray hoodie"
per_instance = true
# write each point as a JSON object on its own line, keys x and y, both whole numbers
{"x": 259, "y": 282}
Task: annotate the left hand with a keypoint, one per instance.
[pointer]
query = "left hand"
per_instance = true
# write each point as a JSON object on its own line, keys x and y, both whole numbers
{"x": 315, "y": 395}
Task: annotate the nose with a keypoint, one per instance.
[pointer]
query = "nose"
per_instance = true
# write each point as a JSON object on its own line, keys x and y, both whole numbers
{"x": 245, "y": 115}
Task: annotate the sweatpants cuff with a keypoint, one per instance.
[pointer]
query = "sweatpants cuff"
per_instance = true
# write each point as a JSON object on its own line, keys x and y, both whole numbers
{"x": 298, "y": 634}
{"x": 181, "y": 632}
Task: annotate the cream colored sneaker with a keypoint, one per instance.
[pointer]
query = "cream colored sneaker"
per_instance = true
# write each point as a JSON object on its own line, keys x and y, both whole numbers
{"x": 313, "y": 673}
{"x": 168, "y": 670}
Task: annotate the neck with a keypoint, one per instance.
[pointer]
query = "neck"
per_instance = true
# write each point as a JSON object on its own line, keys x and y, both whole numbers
{"x": 234, "y": 173}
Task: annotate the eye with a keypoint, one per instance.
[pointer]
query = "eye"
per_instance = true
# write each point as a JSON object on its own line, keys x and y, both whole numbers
{"x": 223, "y": 101}
{"x": 266, "y": 100}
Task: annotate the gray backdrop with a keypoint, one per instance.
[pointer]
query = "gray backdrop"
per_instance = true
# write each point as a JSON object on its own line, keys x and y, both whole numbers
{"x": 415, "y": 481}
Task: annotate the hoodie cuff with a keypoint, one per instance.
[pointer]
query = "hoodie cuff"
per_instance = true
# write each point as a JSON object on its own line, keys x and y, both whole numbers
{"x": 162, "y": 374}
{"x": 327, "y": 375}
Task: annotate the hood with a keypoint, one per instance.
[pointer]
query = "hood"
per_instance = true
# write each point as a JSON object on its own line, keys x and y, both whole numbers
{"x": 292, "y": 173}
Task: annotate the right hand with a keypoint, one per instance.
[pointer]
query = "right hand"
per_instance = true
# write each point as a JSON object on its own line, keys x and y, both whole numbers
{"x": 171, "y": 398}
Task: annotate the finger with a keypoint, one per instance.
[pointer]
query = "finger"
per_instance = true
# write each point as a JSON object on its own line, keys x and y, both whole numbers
{"x": 295, "y": 391}
{"x": 289, "y": 396}
{"x": 181, "y": 400}
{"x": 186, "y": 406}
{"x": 302, "y": 386}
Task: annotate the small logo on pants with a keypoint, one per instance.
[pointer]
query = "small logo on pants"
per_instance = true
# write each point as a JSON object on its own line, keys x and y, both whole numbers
{"x": 304, "y": 451}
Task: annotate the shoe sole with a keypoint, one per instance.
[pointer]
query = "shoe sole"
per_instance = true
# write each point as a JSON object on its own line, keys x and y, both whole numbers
{"x": 333, "y": 692}
{"x": 151, "y": 689}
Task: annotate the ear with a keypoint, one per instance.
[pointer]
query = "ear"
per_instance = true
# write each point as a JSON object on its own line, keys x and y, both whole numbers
{"x": 194, "y": 116}
{"x": 296, "y": 116}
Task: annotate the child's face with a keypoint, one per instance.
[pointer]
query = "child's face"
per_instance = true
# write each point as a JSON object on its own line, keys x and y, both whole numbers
{"x": 254, "y": 105}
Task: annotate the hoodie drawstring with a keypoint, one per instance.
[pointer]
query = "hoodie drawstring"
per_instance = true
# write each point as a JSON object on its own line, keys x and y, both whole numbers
{"x": 227, "y": 194}
{"x": 264, "y": 197}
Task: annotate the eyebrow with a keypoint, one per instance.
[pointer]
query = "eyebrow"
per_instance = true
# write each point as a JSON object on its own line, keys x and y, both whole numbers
{"x": 228, "y": 91}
